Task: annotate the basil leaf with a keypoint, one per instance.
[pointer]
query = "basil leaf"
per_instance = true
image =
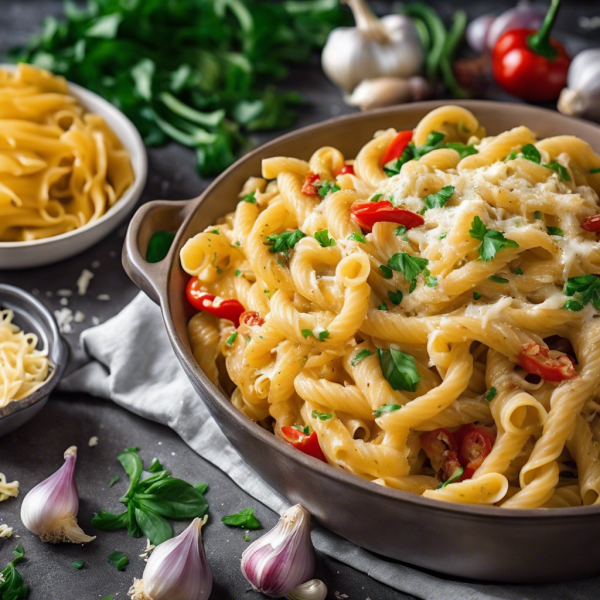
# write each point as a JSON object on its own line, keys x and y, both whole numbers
{"x": 530, "y": 152}
{"x": 173, "y": 498}
{"x": 244, "y": 519}
{"x": 132, "y": 465}
{"x": 361, "y": 355}
{"x": 452, "y": 479}
{"x": 395, "y": 297}
{"x": 409, "y": 266}
{"x": 492, "y": 241}
{"x": 153, "y": 526}
{"x": 133, "y": 529}
{"x": 386, "y": 272}
{"x": 201, "y": 487}
{"x": 462, "y": 149}
{"x": 357, "y": 237}
{"x": 113, "y": 480}
{"x": 118, "y": 559}
{"x": 108, "y": 521}
{"x": 323, "y": 238}
{"x": 321, "y": 416}
{"x": 386, "y": 409}
{"x": 399, "y": 369}
{"x": 284, "y": 242}
{"x": 490, "y": 394}
{"x": 562, "y": 171}
{"x": 12, "y": 586}
{"x": 155, "y": 466}
{"x": 250, "y": 198}
{"x": 439, "y": 199}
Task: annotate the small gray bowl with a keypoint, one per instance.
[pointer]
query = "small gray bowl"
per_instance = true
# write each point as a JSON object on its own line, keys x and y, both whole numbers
{"x": 33, "y": 317}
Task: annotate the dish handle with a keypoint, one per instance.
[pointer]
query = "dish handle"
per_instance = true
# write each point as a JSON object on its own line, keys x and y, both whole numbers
{"x": 158, "y": 215}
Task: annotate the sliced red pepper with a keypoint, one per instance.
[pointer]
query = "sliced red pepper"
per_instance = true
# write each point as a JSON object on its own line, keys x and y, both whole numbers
{"x": 308, "y": 186}
{"x": 530, "y": 65}
{"x": 251, "y": 318}
{"x": 396, "y": 146}
{"x": 365, "y": 215}
{"x": 346, "y": 170}
{"x": 309, "y": 444}
{"x": 227, "y": 308}
{"x": 441, "y": 449}
{"x": 537, "y": 361}
{"x": 591, "y": 224}
{"x": 474, "y": 444}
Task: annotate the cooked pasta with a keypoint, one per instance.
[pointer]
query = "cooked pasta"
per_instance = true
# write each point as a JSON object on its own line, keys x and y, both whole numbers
{"x": 23, "y": 368}
{"x": 8, "y": 490}
{"x": 423, "y": 316}
{"x": 60, "y": 167}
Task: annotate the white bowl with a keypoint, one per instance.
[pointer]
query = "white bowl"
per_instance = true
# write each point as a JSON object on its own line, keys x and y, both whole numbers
{"x": 21, "y": 255}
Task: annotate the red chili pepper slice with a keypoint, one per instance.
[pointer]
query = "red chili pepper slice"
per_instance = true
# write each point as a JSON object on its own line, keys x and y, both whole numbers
{"x": 591, "y": 224}
{"x": 529, "y": 64}
{"x": 537, "y": 361}
{"x": 251, "y": 318}
{"x": 365, "y": 215}
{"x": 227, "y": 308}
{"x": 308, "y": 186}
{"x": 441, "y": 449}
{"x": 309, "y": 444}
{"x": 474, "y": 443}
{"x": 346, "y": 170}
{"x": 396, "y": 146}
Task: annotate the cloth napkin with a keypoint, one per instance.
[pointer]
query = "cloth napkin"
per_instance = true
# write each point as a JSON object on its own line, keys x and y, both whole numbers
{"x": 129, "y": 360}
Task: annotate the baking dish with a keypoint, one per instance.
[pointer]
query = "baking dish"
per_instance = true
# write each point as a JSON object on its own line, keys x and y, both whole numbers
{"x": 486, "y": 543}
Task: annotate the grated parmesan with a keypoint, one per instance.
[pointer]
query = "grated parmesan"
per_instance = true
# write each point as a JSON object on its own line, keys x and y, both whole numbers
{"x": 79, "y": 317}
{"x": 93, "y": 441}
{"x": 103, "y": 298}
{"x": 83, "y": 282}
{"x": 5, "y": 531}
{"x": 64, "y": 318}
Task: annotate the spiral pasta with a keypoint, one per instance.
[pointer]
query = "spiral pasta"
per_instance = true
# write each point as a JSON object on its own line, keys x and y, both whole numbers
{"x": 428, "y": 324}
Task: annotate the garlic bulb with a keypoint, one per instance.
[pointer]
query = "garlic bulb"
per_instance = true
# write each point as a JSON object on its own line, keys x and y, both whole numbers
{"x": 176, "y": 570}
{"x": 283, "y": 558}
{"x": 385, "y": 91}
{"x": 581, "y": 97}
{"x": 314, "y": 589}
{"x": 387, "y": 47}
{"x": 50, "y": 508}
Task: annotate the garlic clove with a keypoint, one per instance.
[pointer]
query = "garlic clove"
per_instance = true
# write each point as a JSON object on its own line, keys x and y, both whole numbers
{"x": 314, "y": 589}
{"x": 50, "y": 508}
{"x": 177, "y": 569}
{"x": 382, "y": 91}
{"x": 283, "y": 558}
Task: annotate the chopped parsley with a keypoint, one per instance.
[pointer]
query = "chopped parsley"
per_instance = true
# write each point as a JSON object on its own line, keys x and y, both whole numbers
{"x": 490, "y": 394}
{"x": 215, "y": 231}
{"x": 537, "y": 214}
{"x": 562, "y": 171}
{"x": 386, "y": 272}
{"x": 584, "y": 288}
{"x": 530, "y": 152}
{"x": 395, "y": 297}
{"x": 327, "y": 187}
{"x": 555, "y": 231}
{"x": 244, "y": 519}
{"x": 492, "y": 241}
{"x": 434, "y": 141}
{"x": 249, "y": 198}
{"x": 462, "y": 149}
{"x": 322, "y": 336}
{"x": 442, "y": 236}
{"x": 321, "y": 416}
{"x": 452, "y": 479}
{"x": 361, "y": 355}
{"x": 77, "y": 564}
{"x": 386, "y": 409}
{"x": 400, "y": 231}
{"x": 305, "y": 429}
{"x": 439, "y": 199}
{"x": 573, "y": 305}
{"x": 399, "y": 369}
{"x": 118, "y": 560}
{"x": 518, "y": 271}
{"x": 476, "y": 295}
{"x": 430, "y": 280}
{"x": 323, "y": 238}
{"x": 237, "y": 272}
{"x": 284, "y": 242}
{"x": 231, "y": 338}
{"x": 498, "y": 279}
{"x": 357, "y": 237}
{"x": 409, "y": 266}
{"x": 382, "y": 306}
{"x": 375, "y": 197}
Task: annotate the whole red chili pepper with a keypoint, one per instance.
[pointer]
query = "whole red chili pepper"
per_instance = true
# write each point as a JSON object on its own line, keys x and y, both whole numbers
{"x": 308, "y": 186}
{"x": 529, "y": 64}
{"x": 396, "y": 146}
{"x": 309, "y": 444}
{"x": 227, "y": 308}
{"x": 366, "y": 214}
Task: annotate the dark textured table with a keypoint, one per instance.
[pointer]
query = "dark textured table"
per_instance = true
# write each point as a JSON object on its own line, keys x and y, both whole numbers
{"x": 34, "y": 451}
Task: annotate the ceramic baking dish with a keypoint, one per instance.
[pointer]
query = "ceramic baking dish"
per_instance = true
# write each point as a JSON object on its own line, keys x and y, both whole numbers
{"x": 486, "y": 543}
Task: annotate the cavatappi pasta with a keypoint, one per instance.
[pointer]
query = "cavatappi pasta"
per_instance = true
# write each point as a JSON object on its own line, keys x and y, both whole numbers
{"x": 23, "y": 368}
{"x": 453, "y": 352}
{"x": 60, "y": 167}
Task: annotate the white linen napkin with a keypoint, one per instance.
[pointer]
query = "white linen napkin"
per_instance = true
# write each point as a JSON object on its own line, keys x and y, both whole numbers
{"x": 130, "y": 361}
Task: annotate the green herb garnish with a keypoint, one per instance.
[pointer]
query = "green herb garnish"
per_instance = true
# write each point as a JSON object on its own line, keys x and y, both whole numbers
{"x": 492, "y": 241}
{"x": 440, "y": 198}
{"x": 409, "y": 266}
{"x": 357, "y": 237}
{"x": 323, "y": 238}
{"x": 305, "y": 429}
{"x": 327, "y": 187}
{"x": 113, "y": 480}
{"x": 237, "y": 272}
{"x": 244, "y": 519}
{"x": 382, "y": 306}
{"x": 452, "y": 479}
{"x": 322, "y": 336}
{"x": 284, "y": 242}
{"x": 537, "y": 214}
{"x": 361, "y": 355}
{"x": 596, "y": 170}
{"x": 119, "y": 560}
{"x": 321, "y": 416}
{"x": 555, "y": 231}
{"x": 476, "y": 295}
{"x": 231, "y": 338}
{"x": 584, "y": 288}
{"x": 530, "y": 152}
{"x": 386, "y": 272}
{"x": 562, "y": 171}
{"x": 399, "y": 369}
{"x": 250, "y": 198}
{"x": 386, "y": 409}
{"x": 490, "y": 394}
{"x": 462, "y": 149}
{"x": 518, "y": 271}
{"x": 375, "y": 197}
{"x": 498, "y": 279}
{"x": 12, "y": 586}
{"x": 395, "y": 297}
{"x": 442, "y": 236}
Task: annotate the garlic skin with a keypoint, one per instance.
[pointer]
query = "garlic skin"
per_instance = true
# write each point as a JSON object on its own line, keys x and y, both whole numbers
{"x": 176, "y": 570}
{"x": 582, "y": 96}
{"x": 314, "y": 589}
{"x": 283, "y": 558}
{"x": 386, "y": 91}
{"x": 50, "y": 508}
{"x": 387, "y": 47}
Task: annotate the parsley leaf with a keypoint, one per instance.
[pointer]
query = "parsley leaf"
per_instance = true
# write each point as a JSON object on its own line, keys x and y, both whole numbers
{"x": 492, "y": 241}
{"x": 518, "y": 271}
{"x": 462, "y": 149}
{"x": 237, "y": 272}
{"x": 323, "y": 238}
{"x": 442, "y": 236}
{"x": 490, "y": 394}
{"x": 434, "y": 141}
{"x": 476, "y": 295}
{"x": 511, "y": 156}
{"x": 244, "y": 519}
{"x": 409, "y": 266}
{"x": 307, "y": 332}
{"x": 573, "y": 305}
{"x": 357, "y": 237}
{"x": 537, "y": 214}
{"x": 327, "y": 187}
{"x": 386, "y": 272}
{"x": 585, "y": 288}
{"x": 322, "y": 336}
{"x": 498, "y": 279}
{"x": 302, "y": 429}
{"x": 400, "y": 231}
{"x": 375, "y": 197}
{"x": 321, "y": 416}
{"x": 361, "y": 355}
{"x": 386, "y": 409}
{"x": 382, "y": 306}
{"x": 231, "y": 338}
{"x": 395, "y": 166}
{"x": 284, "y": 242}
{"x": 555, "y": 231}
{"x": 562, "y": 171}
{"x": 399, "y": 369}
{"x": 451, "y": 479}
{"x": 395, "y": 297}
{"x": 440, "y": 198}
{"x": 530, "y": 152}
{"x": 249, "y": 198}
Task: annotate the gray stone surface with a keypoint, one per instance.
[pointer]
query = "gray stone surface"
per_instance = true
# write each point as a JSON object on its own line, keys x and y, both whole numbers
{"x": 34, "y": 451}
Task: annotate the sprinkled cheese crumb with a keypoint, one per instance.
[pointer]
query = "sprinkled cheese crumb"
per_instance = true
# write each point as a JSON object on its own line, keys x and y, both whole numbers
{"x": 5, "y": 531}
{"x": 93, "y": 441}
{"x": 64, "y": 318}
{"x": 83, "y": 282}
{"x": 103, "y": 298}
{"x": 79, "y": 317}
{"x": 64, "y": 293}
{"x": 64, "y": 301}
{"x": 95, "y": 321}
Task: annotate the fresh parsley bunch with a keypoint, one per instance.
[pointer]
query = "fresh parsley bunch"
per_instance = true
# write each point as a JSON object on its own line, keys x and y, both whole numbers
{"x": 151, "y": 500}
